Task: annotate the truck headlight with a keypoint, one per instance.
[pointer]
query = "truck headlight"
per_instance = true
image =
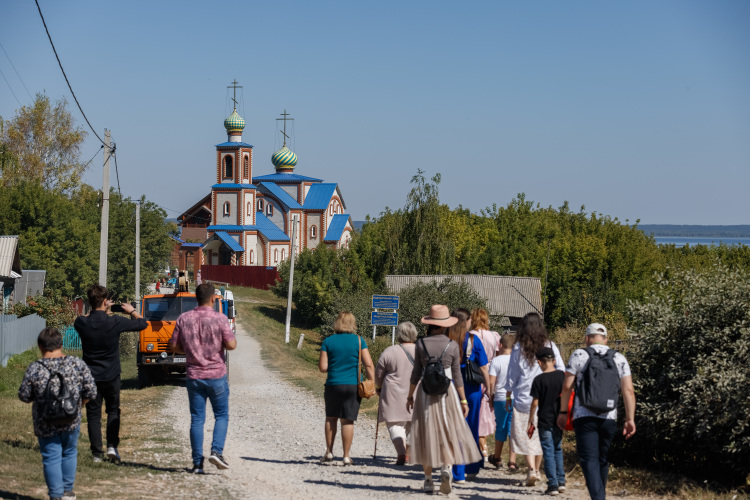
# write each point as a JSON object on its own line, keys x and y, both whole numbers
{"x": 163, "y": 355}
{"x": 149, "y": 347}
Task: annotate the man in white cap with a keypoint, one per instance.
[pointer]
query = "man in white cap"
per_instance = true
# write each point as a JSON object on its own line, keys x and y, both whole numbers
{"x": 595, "y": 422}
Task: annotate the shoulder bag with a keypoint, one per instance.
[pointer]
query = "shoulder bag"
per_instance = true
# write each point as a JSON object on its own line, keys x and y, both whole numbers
{"x": 365, "y": 388}
{"x": 473, "y": 372}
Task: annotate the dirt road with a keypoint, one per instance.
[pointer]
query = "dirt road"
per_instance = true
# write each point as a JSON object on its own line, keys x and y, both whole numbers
{"x": 276, "y": 438}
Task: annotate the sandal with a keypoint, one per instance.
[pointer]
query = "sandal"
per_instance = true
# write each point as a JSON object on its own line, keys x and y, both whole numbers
{"x": 512, "y": 467}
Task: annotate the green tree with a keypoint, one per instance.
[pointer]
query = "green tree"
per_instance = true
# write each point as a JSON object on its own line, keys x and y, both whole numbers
{"x": 42, "y": 144}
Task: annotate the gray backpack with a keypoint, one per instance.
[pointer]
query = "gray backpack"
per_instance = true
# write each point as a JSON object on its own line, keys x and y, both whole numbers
{"x": 599, "y": 388}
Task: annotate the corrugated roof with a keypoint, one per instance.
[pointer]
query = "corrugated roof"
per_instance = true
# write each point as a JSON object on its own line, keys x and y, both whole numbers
{"x": 10, "y": 258}
{"x": 268, "y": 229}
{"x": 229, "y": 241}
{"x": 232, "y": 186}
{"x": 191, "y": 245}
{"x": 510, "y": 296}
{"x": 281, "y": 195}
{"x": 230, "y": 144}
{"x": 336, "y": 228}
{"x": 319, "y": 195}
{"x": 295, "y": 178}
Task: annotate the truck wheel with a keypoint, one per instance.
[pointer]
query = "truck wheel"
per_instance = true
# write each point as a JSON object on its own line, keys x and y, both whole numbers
{"x": 144, "y": 376}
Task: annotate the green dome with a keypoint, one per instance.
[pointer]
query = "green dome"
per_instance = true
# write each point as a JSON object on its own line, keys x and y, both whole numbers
{"x": 284, "y": 158}
{"x": 234, "y": 122}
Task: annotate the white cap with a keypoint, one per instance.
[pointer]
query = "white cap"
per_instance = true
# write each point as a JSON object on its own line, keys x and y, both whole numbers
{"x": 596, "y": 329}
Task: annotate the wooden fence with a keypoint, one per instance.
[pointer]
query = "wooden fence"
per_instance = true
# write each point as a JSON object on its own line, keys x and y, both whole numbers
{"x": 260, "y": 277}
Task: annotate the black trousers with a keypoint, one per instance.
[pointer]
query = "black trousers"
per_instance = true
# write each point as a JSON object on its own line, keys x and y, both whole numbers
{"x": 109, "y": 393}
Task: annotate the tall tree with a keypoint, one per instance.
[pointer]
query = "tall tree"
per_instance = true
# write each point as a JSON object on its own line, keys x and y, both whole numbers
{"x": 42, "y": 144}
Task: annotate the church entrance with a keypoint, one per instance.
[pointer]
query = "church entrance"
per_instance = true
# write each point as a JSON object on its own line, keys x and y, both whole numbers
{"x": 225, "y": 256}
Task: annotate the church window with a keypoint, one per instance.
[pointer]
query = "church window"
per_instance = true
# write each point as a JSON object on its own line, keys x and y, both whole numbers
{"x": 276, "y": 255}
{"x": 330, "y": 209}
{"x": 228, "y": 172}
{"x": 313, "y": 232}
{"x": 269, "y": 210}
{"x": 247, "y": 167}
{"x": 227, "y": 210}
{"x": 252, "y": 257}
{"x": 283, "y": 253}
{"x": 249, "y": 208}
{"x": 260, "y": 206}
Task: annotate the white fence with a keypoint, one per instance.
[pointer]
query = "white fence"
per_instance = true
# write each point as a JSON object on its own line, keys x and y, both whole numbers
{"x": 18, "y": 335}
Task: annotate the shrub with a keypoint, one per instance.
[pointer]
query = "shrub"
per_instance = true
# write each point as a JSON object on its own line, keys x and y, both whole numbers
{"x": 51, "y": 306}
{"x": 691, "y": 375}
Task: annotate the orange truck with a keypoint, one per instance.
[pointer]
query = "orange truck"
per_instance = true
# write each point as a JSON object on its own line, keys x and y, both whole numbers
{"x": 156, "y": 361}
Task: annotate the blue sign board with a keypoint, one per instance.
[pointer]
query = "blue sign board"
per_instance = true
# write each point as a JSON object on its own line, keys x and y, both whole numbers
{"x": 385, "y": 301}
{"x": 384, "y": 318}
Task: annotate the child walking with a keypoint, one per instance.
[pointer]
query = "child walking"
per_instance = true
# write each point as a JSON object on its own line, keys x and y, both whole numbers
{"x": 546, "y": 390}
{"x": 498, "y": 374}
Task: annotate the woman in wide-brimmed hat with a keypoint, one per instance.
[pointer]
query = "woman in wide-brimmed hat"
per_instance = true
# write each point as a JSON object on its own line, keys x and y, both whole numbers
{"x": 440, "y": 437}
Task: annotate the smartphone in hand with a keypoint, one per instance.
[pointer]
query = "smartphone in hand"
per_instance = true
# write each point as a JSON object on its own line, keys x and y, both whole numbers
{"x": 116, "y": 308}
{"x": 531, "y": 431}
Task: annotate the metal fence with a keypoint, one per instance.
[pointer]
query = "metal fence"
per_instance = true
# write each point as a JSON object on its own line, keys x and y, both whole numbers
{"x": 71, "y": 340}
{"x": 18, "y": 335}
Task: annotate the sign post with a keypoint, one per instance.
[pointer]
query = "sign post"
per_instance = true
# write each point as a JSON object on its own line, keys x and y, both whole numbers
{"x": 384, "y": 318}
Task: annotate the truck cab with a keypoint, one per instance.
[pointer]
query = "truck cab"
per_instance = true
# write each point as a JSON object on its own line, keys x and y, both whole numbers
{"x": 155, "y": 359}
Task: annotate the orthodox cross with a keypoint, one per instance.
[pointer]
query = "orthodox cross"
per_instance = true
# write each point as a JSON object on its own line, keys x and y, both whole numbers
{"x": 235, "y": 87}
{"x": 285, "y": 119}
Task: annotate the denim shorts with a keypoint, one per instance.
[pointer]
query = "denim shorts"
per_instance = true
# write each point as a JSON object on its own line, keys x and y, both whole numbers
{"x": 502, "y": 421}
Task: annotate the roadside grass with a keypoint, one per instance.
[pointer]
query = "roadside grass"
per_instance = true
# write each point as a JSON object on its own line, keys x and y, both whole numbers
{"x": 148, "y": 447}
{"x": 264, "y": 315}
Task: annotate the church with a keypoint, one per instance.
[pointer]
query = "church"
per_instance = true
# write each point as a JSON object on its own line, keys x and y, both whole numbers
{"x": 247, "y": 219}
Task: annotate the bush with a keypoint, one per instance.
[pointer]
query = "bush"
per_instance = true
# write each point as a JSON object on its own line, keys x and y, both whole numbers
{"x": 51, "y": 306}
{"x": 691, "y": 375}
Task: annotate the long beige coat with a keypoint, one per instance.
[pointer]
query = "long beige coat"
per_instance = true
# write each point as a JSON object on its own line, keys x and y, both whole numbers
{"x": 392, "y": 373}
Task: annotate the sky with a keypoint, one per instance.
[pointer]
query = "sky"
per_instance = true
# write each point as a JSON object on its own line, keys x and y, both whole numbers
{"x": 638, "y": 110}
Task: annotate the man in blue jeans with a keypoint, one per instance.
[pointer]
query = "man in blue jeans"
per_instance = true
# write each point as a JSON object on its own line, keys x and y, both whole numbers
{"x": 595, "y": 431}
{"x": 203, "y": 334}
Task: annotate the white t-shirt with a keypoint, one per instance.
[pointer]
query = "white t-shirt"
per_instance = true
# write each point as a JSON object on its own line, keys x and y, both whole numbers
{"x": 499, "y": 369}
{"x": 521, "y": 374}
{"x": 575, "y": 366}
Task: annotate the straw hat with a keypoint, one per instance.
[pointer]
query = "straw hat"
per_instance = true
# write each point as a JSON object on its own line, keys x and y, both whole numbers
{"x": 440, "y": 316}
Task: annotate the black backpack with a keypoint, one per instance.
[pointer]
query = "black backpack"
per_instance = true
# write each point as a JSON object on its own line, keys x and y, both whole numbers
{"x": 434, "y": 380}
{"x": 599, "y": 388}
{"x": 59, "y": 407}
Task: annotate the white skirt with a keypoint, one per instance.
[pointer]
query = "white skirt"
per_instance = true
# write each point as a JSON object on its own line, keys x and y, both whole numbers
{"x": 519, "y": 439}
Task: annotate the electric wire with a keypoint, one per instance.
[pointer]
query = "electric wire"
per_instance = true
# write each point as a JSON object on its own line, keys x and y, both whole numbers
{"x": 14, "y": 69}
{"x": 117, "y": 173}
{"x": 11, "y": 88}
{"x": 66, "y": 76}
{"x": 92, "y": 158}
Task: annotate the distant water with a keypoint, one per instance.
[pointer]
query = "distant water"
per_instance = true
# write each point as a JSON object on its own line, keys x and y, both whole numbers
{"x": 681, "y": 241}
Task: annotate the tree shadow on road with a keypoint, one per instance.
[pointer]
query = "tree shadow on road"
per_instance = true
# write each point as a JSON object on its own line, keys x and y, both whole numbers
{"x": 268, "y": 460}
{"x": 15, "y": 496}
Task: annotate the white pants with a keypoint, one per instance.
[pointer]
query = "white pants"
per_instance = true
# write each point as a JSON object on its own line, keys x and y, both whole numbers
{"x": 399, "y": 432}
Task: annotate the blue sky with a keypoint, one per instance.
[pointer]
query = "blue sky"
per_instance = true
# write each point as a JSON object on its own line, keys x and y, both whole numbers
{"x": 637, "y": 110}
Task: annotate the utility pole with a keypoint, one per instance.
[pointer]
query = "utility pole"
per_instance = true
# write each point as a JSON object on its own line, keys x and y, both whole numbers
{"x": 291, "y": 279}
{"x": 103, "y": 242}
{"x": 138, "y": 256}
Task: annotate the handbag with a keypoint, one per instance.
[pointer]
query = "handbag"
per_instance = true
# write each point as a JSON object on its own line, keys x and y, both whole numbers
{"x": 365, "y": 388}
{"x": 473, "y": 372}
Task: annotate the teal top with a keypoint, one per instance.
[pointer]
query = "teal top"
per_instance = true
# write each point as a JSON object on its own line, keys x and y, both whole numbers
{"x": 343, "y": 352}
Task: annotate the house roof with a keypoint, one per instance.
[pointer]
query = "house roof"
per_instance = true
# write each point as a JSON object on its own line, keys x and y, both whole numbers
{"x": 319, "y": 195}
{"x": 292, "y": 178}
{"x": 206, "y": 200}
{"x": 229, "y": 241}
{"x": 336, "y": 228}
{"x": 10, "y": 258}
{"x": 281, "y": 195}
{"x": 268, "y": 229}
{"x": 510, "y": 296}
{"x": 228, "y": 185}
{"x": 234, "y": 144}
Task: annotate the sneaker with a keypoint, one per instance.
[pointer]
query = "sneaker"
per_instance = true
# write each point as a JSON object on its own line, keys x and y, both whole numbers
{"x": 197, "y": 469}
{"x": 445, "y": 481}
{"x": 97, "y": 459}
{"x": 552, "y": 490}
{"x": 561, "y": 488}
{"x": 531, "y": 478}
{"x": 328, "y": 457}
{"x": 429, "y": 486}
{"x": 218, "y": 460}
{"x": 69, "y": 495}
{"x": 112, "y": 454}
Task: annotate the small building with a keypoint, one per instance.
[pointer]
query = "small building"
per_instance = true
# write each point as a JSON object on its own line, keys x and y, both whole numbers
{"x": 509, "y": 298}
{"x": 10, "y": 269}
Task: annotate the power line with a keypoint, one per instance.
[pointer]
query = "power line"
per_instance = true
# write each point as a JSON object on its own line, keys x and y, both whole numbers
{"x": 66, "y": 76}
{"x": 117, "y": 173}
{"x": 92, "y": 158}
{"x": 11, "y": 88}
{"x": 17, "y": 73}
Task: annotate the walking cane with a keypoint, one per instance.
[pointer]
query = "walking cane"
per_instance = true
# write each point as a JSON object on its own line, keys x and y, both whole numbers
{"x": 377, "y": 428}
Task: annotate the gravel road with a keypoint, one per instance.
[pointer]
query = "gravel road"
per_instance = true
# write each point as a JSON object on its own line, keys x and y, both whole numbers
{"x": 276, "y": 438}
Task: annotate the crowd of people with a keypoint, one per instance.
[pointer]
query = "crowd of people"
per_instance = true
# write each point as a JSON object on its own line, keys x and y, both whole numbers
{"x": 443, "y": 394}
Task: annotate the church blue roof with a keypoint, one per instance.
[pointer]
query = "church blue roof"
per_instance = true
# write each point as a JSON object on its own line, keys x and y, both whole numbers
{"x": 318, "y": 196}
{"x": 229, "y": 241}
{"x": 231, "y": 144}
{"x": 270, "y": 230}
{"x": 296, "y": 178}
{"x": 336, "y": 228}
{"x": 228, "y": 185}
{"x": 281, "y": 195}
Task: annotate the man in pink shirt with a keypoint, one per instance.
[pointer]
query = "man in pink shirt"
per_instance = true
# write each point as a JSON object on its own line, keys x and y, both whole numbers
{"x": 202, "y": 335}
